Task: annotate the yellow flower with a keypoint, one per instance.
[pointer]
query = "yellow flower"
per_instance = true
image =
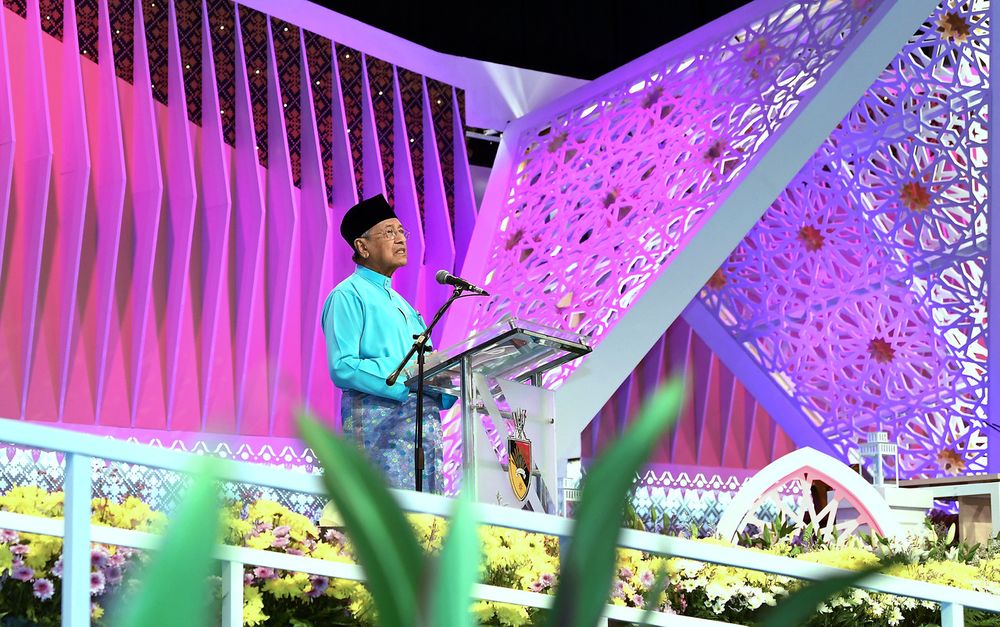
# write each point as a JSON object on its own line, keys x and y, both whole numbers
{"x": 288, "y": 586}
{"x": 849, "y": 557}
{"x": 512, "y": 615}
{"x": 262, "y": 541}
{"x": 330, "y": 553}
{"x": 253, "y": 606}
{"x": 41, "y": 550}
{"x": 955, "y": 574}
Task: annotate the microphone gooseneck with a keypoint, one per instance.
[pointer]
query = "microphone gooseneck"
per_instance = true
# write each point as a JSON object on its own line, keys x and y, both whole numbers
{"x": 446, "y": 278}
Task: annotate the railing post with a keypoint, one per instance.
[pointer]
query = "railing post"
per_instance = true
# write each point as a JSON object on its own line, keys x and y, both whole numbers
{"x": 77, "y": 491}
{"x": 232, "y": 591}
{"x": 952, "y": 615}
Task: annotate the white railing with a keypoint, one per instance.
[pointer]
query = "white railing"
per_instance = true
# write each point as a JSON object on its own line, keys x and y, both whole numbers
{"x": 78, "y": 533}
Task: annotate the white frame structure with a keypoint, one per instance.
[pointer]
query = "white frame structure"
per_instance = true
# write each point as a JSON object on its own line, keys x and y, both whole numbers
{"x": 808, "y": 459}
{"x": 81, "y": 449}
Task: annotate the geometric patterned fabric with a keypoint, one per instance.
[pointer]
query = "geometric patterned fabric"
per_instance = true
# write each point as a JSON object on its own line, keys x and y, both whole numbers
{"x": 862, "y": 291}
{"x": 666, "y": 501}
{"x": 161, "y": 489}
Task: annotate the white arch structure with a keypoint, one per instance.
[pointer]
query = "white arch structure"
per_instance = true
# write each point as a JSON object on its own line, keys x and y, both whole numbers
{"x": 808, "y": 465}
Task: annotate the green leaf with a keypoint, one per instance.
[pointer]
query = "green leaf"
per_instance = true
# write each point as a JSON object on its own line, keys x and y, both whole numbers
{"x": 6, "y": 559}
{"x": 174, "y": 589}
{"x": 588, "y": 565}
{"x": 952, "y": 528}
{"x": 384, "y": 541}
{"x": 458, "y": 568}
{"x": 800, "y": 605}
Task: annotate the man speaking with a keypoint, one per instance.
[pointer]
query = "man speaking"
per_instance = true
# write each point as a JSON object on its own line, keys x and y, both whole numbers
{"x": 369, "y": 328}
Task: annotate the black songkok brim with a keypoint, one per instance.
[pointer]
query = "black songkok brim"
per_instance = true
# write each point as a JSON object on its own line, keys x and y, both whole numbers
{"x": 364, "y": 216}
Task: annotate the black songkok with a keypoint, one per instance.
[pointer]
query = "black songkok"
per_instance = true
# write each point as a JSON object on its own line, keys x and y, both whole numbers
{"x": 364, "y": 216}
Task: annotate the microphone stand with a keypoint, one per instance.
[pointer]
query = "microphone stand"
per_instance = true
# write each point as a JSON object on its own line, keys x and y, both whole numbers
{"x": 420, "y": 348}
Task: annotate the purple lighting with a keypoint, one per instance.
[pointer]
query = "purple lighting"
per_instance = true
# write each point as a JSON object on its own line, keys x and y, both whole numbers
{"x": 646, "y": 162}
{"x": 862, "y": 292}
{"x": 168, "y": 243}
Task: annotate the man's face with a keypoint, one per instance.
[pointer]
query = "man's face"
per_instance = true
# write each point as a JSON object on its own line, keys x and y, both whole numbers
{"x": 385, "y": 246}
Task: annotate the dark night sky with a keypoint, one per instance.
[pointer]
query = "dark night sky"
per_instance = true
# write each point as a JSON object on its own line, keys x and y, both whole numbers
{"x": 583, "y": 39}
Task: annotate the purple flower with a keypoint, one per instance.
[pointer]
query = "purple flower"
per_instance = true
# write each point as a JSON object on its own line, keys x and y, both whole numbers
{"x": 625, "y": 572}
{"x": 247, "y": 579}
{"x": 282, "y": 530}
{"x": 280, "y": 542}
{"x": 294, "y": 552}
{"x": 98, "y": 558}
{"x": 20, "y": 549}
{"x": 21, "y": 572}
{"x": 9, "y": 537}
{"x": 43, "y": 589}
{"x": 118, "y": 559}
{"x": 647, "y": 579}
{"x": 547, "y": 579}
{"x": 536, "y": 586}
{"x": 57, "y": 568}
{"x": 262, "y": 572}
{"x": 260, "y": 528}
{"x": 638, "y": 601}
{"x": 618, "y": 591}
{"x": 319, "y": 586}
{"x": 96, "y": 583}
{"x": 113, "y": 575}
{"x": 332, "y": 535}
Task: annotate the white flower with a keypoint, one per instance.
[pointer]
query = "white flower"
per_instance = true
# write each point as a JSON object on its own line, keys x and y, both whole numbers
{"x": 876, "y": 607}
{"x": 895, "y": 617}
{"x": 719, "y": 591}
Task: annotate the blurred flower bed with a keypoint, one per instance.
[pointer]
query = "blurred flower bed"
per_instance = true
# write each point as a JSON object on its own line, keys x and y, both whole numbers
{"x": 31, "y": 569}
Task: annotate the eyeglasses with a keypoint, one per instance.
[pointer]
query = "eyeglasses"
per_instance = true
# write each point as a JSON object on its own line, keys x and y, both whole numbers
{"x": 391, "y": 234}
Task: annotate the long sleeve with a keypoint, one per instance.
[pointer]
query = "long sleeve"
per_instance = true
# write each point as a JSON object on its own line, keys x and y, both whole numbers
{"x": 343, "y": 323}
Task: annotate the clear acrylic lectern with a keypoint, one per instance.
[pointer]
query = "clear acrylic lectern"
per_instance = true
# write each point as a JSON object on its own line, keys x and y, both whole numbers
{"x": 507, "y": 414}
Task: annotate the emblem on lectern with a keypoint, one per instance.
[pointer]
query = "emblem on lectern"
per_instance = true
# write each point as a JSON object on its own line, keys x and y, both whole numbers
{"x": 519, "y": 457}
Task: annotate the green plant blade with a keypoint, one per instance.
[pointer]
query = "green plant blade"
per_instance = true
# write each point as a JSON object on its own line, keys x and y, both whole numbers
{"x": 799, "y": 606}
{"x": 382, "y": 538}
{"x": 458, "y": 569}
{"x": 649, "y": 599}
{"x": 587, "y": 569}
{"x": 174, "y": 588}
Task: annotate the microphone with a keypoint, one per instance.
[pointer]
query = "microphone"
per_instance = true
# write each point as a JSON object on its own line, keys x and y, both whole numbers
{"x": 445, "y": 278}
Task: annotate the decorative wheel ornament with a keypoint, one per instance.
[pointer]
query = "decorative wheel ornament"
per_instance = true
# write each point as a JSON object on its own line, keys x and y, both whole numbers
{"x": 799, "y": 471}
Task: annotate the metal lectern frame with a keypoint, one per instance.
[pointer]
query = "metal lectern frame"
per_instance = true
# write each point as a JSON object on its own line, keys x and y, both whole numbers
{"x": 518, "y": 350}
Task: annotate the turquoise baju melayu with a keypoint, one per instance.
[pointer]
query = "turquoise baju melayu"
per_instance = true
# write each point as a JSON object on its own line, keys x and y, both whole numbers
{"x": 369, "y": 328}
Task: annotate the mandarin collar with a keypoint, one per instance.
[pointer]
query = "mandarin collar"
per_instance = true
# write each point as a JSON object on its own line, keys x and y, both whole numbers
{"x": 373, "y": 277}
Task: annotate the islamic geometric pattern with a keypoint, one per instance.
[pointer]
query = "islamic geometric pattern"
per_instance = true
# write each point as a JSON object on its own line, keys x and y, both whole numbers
{"x": 648, "y": 160}
{"x": 862, "y": 291}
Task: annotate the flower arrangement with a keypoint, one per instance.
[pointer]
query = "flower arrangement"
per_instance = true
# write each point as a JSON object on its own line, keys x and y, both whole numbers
{"x": 30, "y": 570}
{"x": 31, "y": 564}
{"x": 513, "y": 558}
